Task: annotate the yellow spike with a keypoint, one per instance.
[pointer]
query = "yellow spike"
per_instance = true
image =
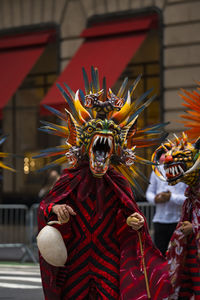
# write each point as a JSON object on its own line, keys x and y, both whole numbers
{"x": 3, "y": 154}
{"x": 64, "y": 128}
{"x": 94, "y": 113}
{"x": 185, "y": 138}
{"x": 130, "y": 124}
{"x": 59, "y": 161}
{"x": 81, "y": 111}
{"x": 125, "y": 173}
{"x": 133, "y": 148}
{"x": 132, "y": 168}
{"x": 177, "y": 139}
{"x": 2, "y": 165}
{"x": 170, "y": 142}
{"x": 165, "y": 148}
{"x": 122, "y": 124}
{"x": 124, "y": 111}
{"x": 109, "y": 92}
{"x": 65, "y": 146}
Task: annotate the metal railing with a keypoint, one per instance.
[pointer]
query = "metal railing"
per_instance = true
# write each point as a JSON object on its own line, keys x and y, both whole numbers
{"x": 14, "y": 229}
{"x": 148, "y": 211}
{"x": 19, "y": 228}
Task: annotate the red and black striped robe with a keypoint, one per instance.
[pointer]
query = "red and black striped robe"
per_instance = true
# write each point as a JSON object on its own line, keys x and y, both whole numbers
{"x": 104, "y": 257}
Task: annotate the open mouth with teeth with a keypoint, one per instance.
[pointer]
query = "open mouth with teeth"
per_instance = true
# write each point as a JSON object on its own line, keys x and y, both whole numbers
{"x": 174, "y": 171}
{"x": 100, "y": 151}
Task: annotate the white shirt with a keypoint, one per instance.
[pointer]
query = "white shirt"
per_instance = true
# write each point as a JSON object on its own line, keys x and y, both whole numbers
{"x": 170, "y": 211}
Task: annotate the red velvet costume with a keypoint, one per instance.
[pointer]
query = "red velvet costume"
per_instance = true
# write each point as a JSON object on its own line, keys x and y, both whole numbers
{"x": 104, "y": 257}
{"x": 184, "y": 252}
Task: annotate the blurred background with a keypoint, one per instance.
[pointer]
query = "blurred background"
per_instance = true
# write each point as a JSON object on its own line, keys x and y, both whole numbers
{"x": 47, "y": 41}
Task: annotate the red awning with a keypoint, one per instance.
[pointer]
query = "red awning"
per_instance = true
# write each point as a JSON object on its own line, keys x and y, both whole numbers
{"x": 18, "y": 54}
{"x": 108, "y": 46}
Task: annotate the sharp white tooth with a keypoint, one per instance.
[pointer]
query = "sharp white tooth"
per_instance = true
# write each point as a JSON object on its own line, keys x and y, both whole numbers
{"x": 181, "y": 169}
{"x": 105, "y": 140}
{"x": 95, "y": 141}
{"x": 101, "y": 139}
{"x": 110, "y": 142}
{"x": 176, "y": 170}
{"x": 173, "y": 172}
{"x": 167, "y": 171}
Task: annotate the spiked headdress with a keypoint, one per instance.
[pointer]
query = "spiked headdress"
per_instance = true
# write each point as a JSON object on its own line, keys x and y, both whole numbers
{"x": 182, "y": 156}
{"x": 102, "y": 127}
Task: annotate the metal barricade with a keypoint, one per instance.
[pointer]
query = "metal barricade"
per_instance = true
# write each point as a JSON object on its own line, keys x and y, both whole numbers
{"x": 146, "y": 208}
{"x": 19, "y": 227}
{"x": 33, "y": 224}
{"x": 14, "y": 229}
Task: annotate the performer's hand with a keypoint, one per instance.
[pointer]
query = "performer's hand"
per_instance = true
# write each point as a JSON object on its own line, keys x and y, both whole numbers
{"x": 186, "y": 228}
{"x": 63, "y": 212}
{"x": 163, "y": 197}
{"x": 136, "y": 221}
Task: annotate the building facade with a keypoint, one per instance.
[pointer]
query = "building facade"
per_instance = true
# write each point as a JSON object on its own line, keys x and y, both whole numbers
{"x": 169, "y": 59}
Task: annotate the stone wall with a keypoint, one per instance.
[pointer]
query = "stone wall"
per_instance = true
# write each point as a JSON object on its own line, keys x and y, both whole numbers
{"x": 181, "y": 35}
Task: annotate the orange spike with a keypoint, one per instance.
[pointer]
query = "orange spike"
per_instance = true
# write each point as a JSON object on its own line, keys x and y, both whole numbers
{"x": 190, "y": 103}
{"x": 121, "y": 115}
{"x": 192, "y": 116}
{"x": 191, "y": 95}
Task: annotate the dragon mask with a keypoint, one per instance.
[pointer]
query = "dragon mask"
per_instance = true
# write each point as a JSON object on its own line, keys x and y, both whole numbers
{"x": 181, "y": 157}
{"x": 181, "y": 161}
{"x": 100, "y": 127}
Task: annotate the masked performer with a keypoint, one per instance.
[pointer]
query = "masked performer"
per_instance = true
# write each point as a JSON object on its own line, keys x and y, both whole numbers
{"x": 182, "y": 164}
{"x": 109, "y": 256}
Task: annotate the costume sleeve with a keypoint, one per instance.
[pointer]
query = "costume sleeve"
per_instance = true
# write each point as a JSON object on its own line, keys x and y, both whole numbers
{"x": 177, "y": 193}
{"x": 152, "y": 188}
{"x": 57, "y": 195}
{"x": 124, "y": 232}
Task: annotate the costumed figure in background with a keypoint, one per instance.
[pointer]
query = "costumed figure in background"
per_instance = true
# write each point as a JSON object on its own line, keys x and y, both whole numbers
{"x": 110, "y": 254}
{"x": 182, "y": 164}
{"x": 168, "y": 201}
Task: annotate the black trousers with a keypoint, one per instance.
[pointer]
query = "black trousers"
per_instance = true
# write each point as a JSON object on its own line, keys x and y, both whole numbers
{"x": 162, "y": 235}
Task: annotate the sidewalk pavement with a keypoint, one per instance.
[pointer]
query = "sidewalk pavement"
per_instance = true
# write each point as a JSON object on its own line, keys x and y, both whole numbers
{"x": 16, "y": 254}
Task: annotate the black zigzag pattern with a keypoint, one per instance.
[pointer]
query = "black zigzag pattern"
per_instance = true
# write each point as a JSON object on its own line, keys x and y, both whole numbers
{"x": 93, "y": 249}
